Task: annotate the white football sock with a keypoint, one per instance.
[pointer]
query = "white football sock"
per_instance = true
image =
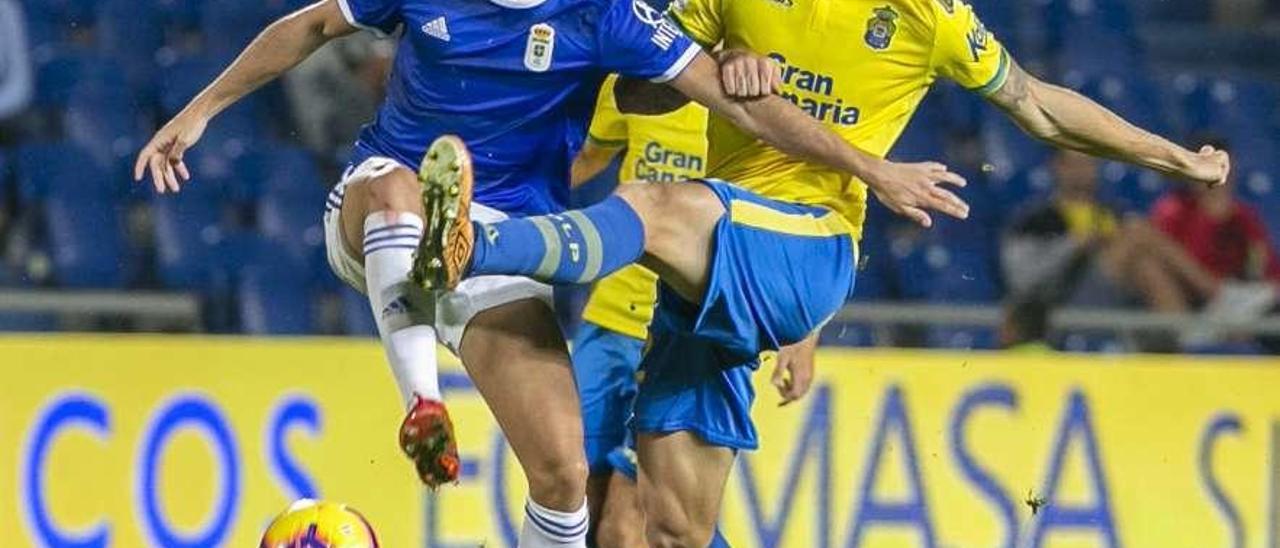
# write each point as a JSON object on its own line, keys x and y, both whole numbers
{"x": 402, "y": 310}
{"x": 547, "y": 528}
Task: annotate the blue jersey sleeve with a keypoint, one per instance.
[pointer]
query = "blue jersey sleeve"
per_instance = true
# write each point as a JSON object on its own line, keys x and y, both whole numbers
{"x": 379, "y": 16}
{"x": 639, "y": 40}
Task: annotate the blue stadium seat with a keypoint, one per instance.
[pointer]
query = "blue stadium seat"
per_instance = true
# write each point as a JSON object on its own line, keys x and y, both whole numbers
{"x": 86, "y": 242}
{"x": 849, "y": 334}
{"x": 1020, "y": 188}
{"x": 178, "y": 15}
{"x": 61, "y": 169}
{"x": 963, "y": 338}
{"x": 1000, "y": 17}
{"x": 1009, "y": 150}
{"x": 1092, "y": 33}
{"x": 273, "y": 301}
{"x": 1129, "y": 188}
{"x": 1243, "y": 110}
{"x": 6, "y": 179}
{"x": 296, "y": 226}
{"x": 234, "y": 23}
{"x": 50, "y": 22}
{"x": 188, "y": 235}
{"x": 357, "y": 318}
{"x": 132, "y": 31}
{"x": 281, "y": 170}
{"x": 1260, "y": 187}
{"x": 964, "y": 274}
{"x": 66, "y": 69}
{"x": 1089, "y": 341}
{"x": 109, "y": 124}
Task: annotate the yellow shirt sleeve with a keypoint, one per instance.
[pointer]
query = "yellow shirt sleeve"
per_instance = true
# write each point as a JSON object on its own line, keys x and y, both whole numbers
{"x": 964, "y": 51}
{"x": 701, "y": 20}
{"x": 608, "y": 125}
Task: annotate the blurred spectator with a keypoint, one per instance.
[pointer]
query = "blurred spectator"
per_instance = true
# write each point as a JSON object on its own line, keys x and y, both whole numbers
{"x": 1024, "y": 326}
{"x": 1072, "y": 248}
{"x": 16, "y": 83}
{"x": 337, "y": 90}
{"x": 1224, "y": 234}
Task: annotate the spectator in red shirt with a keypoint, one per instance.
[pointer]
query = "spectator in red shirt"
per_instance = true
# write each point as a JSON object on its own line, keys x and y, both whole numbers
{"x": 1224, "y": 234}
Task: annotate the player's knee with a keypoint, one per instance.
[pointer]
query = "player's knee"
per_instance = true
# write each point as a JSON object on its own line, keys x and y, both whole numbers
{"x": 558, "y": 483}
{"x": 670, "y": 211}
{"x": 395, "y": 190}
{"x": 614, "y": 531}
{"x": 668, "y": 530}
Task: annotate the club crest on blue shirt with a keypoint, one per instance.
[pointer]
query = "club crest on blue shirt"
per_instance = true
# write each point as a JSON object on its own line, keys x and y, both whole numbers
{"x": 540, "y": 47}
{"x": 881, "y": 27}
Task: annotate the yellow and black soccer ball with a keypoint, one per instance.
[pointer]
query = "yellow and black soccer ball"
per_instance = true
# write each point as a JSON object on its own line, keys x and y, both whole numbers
{"x": 317, "y": 524}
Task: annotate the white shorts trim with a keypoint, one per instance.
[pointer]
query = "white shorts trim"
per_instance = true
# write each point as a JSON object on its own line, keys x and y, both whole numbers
{"x": 453, "y": 310}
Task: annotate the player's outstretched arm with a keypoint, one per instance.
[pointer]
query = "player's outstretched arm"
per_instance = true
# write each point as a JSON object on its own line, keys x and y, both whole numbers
{"x": 910, "y": 190}
{"x": 1066, "y": 119}
{"x": 282, "y": 45}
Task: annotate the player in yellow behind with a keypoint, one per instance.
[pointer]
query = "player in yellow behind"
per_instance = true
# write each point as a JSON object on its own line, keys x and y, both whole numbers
{"x": 861, "y": 67}
{"x": 762, "y": 255}
{"x": 609, "y": 344}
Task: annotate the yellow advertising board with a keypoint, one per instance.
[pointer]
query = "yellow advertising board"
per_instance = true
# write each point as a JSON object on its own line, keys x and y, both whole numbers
{"x": 175, "y": 441}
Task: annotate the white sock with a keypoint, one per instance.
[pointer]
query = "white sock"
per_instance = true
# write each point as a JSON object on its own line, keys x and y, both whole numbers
{"x": 547, "y": 528}
{"x": 402, "y": 310}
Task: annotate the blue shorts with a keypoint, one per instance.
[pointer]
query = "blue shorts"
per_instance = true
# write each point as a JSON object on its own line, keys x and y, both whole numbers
{"x": 778, "y": 273}
{"x": 604, "y": 365}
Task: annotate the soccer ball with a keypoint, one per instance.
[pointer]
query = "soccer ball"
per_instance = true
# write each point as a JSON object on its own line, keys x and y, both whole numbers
{"x": 316, "y": 524}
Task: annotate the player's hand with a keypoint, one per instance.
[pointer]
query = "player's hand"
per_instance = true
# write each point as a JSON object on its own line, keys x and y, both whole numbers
{"x": 1209, "y": 167}
{"x": 746, "y": 75}
{"x": 912, "y": 190}
{"x": 162, "y": 156}
{"x": 793, "y": 374}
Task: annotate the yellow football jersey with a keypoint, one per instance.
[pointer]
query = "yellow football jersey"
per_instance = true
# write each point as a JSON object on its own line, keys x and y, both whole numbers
{"x": 671, "y": 147}
{"x": 861, "y": 67}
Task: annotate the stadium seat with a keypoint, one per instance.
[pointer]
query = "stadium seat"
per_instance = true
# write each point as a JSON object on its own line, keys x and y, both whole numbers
{"x": 272, "y": 301}
{"x": 849, "y": 334}
{"x": 1260, "y": 187}
{"x": 86, "y": 243}
{"x": 1131, "y": 189}
{"x": 66, "y": 69}
{"x": 1020, "y": 188}
{"x": 963, "y": 275}
{"x": 234, "y": 23}
{"x": 1008, "y": 149}
{"x": 1098, "y": 33}
{"x": 1089, "y": 341}
{"x": 357, "y": 318}
{"x": 109, "y": 124}
{"x": 132, "y": 31}
{"x": 188, "y": 237}
{"x": 281, "y": 170}
{"x": 963, "y": 338}
{"x": 51, "y": 22}
{"x": 61, "y": 169}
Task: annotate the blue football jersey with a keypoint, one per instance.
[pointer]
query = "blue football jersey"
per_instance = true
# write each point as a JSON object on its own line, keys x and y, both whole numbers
{"x": 516, "y": 79}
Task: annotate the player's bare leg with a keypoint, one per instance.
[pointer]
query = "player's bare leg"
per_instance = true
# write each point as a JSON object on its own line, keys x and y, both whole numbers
{"x": 518, "y": 361}
{"x": 622, "y": 521}
{"x": 381, "y": 220}
{"x": 682, "y": 480}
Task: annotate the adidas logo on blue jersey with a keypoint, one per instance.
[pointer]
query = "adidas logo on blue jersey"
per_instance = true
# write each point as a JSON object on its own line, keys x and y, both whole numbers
{"x": 399, "y": 306}
{"x": 437, "y": 28}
